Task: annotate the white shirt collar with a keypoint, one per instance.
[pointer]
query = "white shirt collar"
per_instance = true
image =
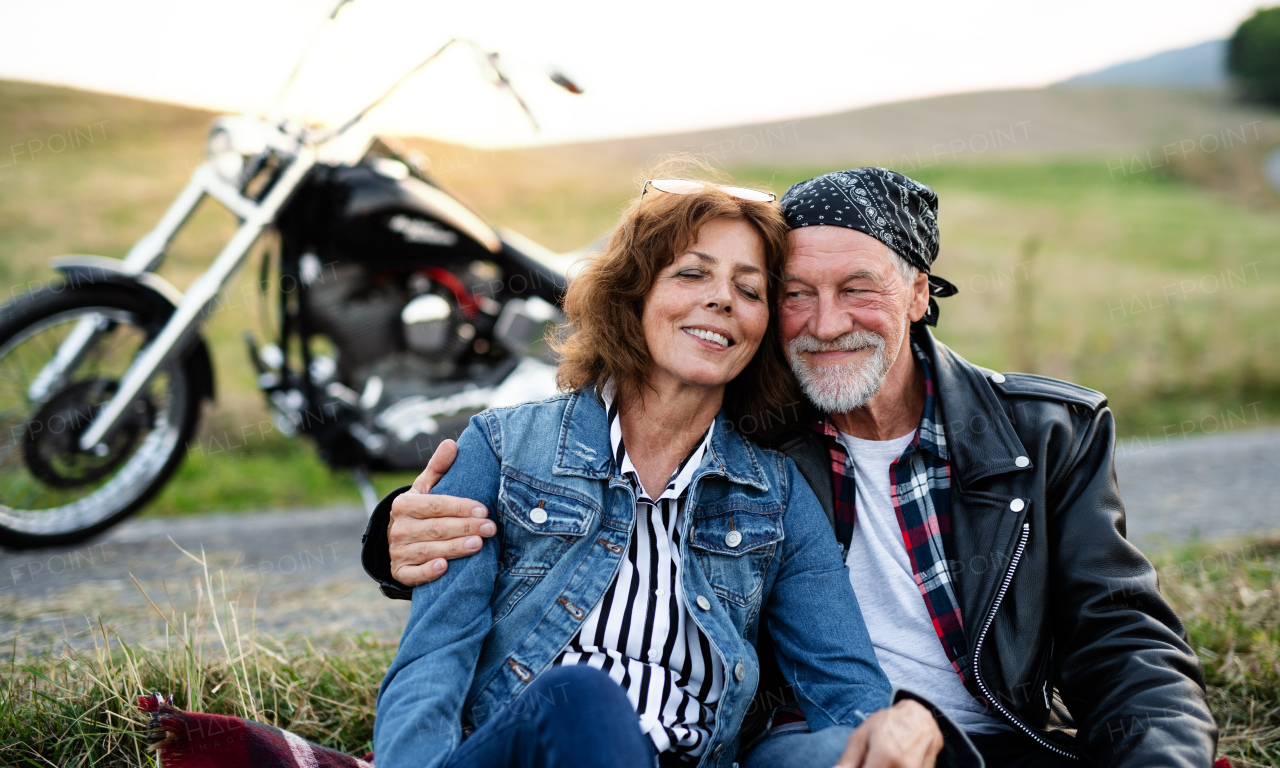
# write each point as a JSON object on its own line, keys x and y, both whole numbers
{"x": 680, "y": 479}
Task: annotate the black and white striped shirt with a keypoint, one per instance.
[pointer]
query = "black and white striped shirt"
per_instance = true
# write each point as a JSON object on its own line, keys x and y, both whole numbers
{"x": 641, "y": 633}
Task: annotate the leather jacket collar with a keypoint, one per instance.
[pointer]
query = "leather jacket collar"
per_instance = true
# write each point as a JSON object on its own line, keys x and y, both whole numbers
{"x": 980, "y": 438}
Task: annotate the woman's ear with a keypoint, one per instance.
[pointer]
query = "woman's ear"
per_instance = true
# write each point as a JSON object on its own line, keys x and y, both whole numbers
{"x": 919, "y": 301}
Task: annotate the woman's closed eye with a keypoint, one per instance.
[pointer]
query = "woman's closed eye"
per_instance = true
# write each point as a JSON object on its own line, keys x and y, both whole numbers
{"x": 750, "y": 292}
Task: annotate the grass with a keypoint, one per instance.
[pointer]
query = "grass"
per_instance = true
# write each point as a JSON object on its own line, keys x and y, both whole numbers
{"x": 1228, "y": 595}
{"x": 224, "y": 476}
{"x": 78, "y": 709}
{"x": 1160, "y": 289}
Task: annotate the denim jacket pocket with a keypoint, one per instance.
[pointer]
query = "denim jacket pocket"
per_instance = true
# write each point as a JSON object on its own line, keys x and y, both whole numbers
{"x": 540, "y": 521}
{"x": 735, "y": 548}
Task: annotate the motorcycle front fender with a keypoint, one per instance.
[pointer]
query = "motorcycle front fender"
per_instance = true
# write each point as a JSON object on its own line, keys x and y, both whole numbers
{"x": 80, "y": 269}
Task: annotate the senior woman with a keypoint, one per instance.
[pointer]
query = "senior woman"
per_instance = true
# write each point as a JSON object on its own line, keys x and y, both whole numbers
{"x": 611, "y": 620}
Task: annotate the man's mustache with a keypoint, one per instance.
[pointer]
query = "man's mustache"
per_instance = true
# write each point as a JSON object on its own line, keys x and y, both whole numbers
{"x": 849, "y": 342}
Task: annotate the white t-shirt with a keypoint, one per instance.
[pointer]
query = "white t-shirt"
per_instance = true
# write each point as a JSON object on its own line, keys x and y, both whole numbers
{"x": 907, "y": 646}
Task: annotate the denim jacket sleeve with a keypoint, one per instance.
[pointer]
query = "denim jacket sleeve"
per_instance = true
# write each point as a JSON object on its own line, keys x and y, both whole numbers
{"x": 822, "y": 644}
{"x": 420, "y": 703}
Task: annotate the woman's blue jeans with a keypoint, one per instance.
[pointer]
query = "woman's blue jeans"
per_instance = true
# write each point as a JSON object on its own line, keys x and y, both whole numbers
{"x": 569, "y": 717}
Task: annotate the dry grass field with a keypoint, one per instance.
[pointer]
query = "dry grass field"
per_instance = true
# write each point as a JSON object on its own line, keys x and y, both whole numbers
{"x": 1125, "y": 240}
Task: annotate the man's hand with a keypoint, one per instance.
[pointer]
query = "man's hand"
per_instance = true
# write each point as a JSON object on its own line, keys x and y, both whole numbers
{"x": 427, "y": 531}
{"x": 903, "y": 736}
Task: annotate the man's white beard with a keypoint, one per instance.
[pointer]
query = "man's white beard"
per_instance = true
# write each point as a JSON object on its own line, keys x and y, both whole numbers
{"x": 844, "y": 387}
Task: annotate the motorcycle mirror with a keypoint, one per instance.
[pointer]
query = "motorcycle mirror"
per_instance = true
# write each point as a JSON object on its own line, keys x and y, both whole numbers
{"x": 492, "y": 70}
{"x": 562, "y": 80}
{"x": 337, "y": 7}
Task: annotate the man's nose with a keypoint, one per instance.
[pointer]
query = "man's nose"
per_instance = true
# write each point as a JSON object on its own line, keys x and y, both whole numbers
{"x": 829, "y": 320}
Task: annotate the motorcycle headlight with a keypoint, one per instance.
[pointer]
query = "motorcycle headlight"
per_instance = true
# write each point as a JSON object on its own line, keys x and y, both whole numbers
{"x": 226, "y": 158}
{"x": 233, "y": 140}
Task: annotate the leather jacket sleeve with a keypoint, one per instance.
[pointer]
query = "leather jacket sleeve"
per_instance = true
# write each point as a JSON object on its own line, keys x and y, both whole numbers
{"x": 375, "y": 550}
{"x": 1124, "y": 669}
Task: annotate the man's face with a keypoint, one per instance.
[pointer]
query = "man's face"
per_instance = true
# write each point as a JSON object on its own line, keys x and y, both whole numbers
{"x": 845, "y": 313}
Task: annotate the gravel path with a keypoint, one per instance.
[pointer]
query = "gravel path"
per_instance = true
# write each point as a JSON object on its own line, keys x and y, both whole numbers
{"x": 298, "y": 572}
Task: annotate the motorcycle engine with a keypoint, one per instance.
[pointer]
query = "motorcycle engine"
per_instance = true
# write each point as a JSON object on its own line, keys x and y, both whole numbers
{"x": 407, "y": 333}
{"x": 407, "y": 355}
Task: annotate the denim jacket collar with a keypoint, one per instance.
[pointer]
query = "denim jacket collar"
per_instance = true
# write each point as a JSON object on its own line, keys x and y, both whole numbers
{"x": 583, "y": 446}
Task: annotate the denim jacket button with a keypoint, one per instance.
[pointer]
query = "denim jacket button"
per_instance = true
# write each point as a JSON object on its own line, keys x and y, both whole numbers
{"x": 538, "y": 515}
{"x": 739, "y": 672}
{"x": 521, "y": 671}
{"x": 733, "y": 538}
{"x": 704, "y": 603}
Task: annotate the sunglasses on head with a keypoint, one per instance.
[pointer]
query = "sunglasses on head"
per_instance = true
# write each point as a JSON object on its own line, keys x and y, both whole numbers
{"x": 686, "y": 187}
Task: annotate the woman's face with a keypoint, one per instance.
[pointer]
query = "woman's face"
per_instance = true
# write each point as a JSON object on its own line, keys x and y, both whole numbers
{"x": 707, "y": 312}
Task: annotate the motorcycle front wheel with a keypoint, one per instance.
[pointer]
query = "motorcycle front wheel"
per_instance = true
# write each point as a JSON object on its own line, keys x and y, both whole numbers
{"x": 52, "y": 492}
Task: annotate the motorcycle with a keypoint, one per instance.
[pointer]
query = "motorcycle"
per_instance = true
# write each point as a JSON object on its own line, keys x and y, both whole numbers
{"x": 401, "y": 313}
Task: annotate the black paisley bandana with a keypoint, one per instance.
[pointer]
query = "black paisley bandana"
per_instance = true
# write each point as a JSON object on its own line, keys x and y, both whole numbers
{"x": 897, "y": 211}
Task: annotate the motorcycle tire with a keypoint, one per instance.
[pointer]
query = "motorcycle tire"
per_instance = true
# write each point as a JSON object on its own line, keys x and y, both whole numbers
{"x": 147, "y": 314}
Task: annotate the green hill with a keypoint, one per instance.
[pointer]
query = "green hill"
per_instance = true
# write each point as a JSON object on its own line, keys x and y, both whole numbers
{"x": 1122, "y": 239}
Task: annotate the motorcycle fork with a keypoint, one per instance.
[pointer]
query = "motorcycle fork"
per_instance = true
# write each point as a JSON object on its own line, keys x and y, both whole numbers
{"x": 144, "y": 256}
{"x": 295, "y": 326}
{"x": 147, "y": 254}
{"x": 293, "y": 321}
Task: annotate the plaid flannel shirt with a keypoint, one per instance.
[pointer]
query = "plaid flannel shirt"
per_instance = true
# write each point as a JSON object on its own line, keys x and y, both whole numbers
{"x": 920, "y": 482}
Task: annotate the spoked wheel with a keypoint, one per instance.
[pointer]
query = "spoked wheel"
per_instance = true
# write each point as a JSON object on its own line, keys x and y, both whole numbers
{"x": 52, "y": 491}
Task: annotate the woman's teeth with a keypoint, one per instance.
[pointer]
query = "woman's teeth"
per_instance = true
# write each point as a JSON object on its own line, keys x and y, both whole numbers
{"x": 710, "y": 336}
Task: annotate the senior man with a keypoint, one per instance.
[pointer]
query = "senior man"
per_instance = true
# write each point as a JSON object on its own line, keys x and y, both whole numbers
{"x": 978, "y": 513}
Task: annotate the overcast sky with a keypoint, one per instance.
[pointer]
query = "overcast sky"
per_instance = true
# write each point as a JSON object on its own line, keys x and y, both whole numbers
{"x": 648, "y": 66}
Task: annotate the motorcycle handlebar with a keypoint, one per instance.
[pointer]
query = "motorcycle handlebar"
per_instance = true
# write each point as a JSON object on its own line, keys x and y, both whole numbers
{"x": 490, "y": 58}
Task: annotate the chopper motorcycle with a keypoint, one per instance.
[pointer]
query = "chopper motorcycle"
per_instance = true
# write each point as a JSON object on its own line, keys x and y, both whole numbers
{"x": 400, "y": 314}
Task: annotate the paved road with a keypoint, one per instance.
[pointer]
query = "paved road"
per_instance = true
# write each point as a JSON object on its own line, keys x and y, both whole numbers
{"x": 298, "y": 572}
{"x": 295, "y": 572}
{"x": 1218, "y": 486}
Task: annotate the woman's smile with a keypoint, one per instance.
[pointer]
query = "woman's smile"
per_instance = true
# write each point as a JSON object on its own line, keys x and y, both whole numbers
{"x": 712, "y": 339}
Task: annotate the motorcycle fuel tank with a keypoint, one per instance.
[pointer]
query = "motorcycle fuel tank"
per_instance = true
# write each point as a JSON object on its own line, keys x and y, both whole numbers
{"x": 387, "y": 216}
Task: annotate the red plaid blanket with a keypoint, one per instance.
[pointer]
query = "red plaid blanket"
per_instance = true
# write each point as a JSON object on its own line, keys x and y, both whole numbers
{"x": 194, "y": 740}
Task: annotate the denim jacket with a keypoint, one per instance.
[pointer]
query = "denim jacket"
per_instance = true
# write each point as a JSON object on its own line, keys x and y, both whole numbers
{"x": 477, "y": 636}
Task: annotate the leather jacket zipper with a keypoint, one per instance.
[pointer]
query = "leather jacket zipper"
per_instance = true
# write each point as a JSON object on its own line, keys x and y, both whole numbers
{"x": 982, "y": 636}
{"x": 1048, "y": 675}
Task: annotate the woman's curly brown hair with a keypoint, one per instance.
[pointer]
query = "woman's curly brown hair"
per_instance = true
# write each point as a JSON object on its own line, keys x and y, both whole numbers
{"x": 604, "y": 339}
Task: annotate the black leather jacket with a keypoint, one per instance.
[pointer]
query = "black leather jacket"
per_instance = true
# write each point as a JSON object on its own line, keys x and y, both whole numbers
{"x": 1069, "y": 637}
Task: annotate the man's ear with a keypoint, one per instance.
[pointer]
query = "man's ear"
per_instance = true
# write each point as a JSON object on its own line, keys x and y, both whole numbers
{"x": 919, "y": 296}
